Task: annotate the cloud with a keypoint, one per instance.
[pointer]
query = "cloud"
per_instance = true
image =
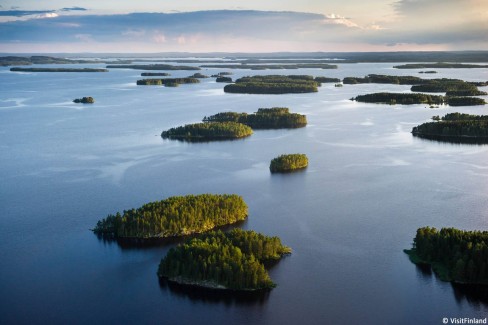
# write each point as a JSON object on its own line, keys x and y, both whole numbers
{"x": 21, "y": 13}
{"x": 241, "y": 30}
{"x": 74, "y": 9}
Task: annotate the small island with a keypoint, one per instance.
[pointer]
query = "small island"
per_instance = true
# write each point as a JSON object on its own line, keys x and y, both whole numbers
{"x": 223, "y": 73}
{"x": 84, "y": 100}
{"x": 198, "y": 75}
{"x": 223, "y": 79}
{"x": 273, "y": 84}
{"x": 455, "y": 127}
{"x": 264, "y": 118}
{"x": 57, "y": 70}
{"x": 288, "y": 163}
{"x": 455, "y": 255}
{"x": 168, "y": 82}
{"x": 327, "y": 80}
{"x": 211, "y": 131}
{"x": 155, "y": 74}
{"x": 227, "y": 261}
{"x": 175, "y": 216}
{"x": 428, "y": 71}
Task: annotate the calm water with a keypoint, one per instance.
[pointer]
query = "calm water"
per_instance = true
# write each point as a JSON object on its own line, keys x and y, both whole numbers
{"x": 348, "y": 217}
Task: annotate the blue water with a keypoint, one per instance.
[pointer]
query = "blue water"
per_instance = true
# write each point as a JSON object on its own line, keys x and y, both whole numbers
{"x": 368, "y": 187}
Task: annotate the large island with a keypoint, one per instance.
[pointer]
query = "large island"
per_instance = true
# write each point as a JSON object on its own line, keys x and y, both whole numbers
{"x": 264, "y": 118}
{"x": 174, "y": 216}
{"x": 274, "y": 84}
{"x": 218, "y": 260}
{"x": 455, "y": 127}
{"x": 455, "y": 255}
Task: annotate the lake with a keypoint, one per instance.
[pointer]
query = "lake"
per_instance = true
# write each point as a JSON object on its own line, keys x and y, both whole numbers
{"x": 347, "y": 217}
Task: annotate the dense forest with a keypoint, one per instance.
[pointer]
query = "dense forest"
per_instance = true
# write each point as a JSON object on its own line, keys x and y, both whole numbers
{"x": 465, "y": 101}
{"x": 439, "y": 65}
{"x": 41, "y": 59}
{"x": 455, "y": 255}
{"x": 167, "y": 81}
{"x": 84, "y": 100}
{"x": 208, "y": 131}
{"x": 400, "y": 98}
{"x": 327, "y": 80}
{"x": 264, "y": 118}
{"x": 198, "y": 75}
{"x": 57, "y": 70}
{"x": 174, "y": 216}
{"x": 273, "y": 84}
{"x": 232, "y": 260}
{"x": 455, "y": 127}
{"x": 151, "y": 67}
{"x": 288, "y": 163}
{"x": 221, "y": 74}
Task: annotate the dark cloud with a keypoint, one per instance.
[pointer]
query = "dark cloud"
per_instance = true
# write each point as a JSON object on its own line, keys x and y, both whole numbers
{"x": 21, "y": 13}
{"x": 74, "y": 9}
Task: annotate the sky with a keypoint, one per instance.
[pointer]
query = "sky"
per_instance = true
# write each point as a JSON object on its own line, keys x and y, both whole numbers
{"x": 146, "y": 26}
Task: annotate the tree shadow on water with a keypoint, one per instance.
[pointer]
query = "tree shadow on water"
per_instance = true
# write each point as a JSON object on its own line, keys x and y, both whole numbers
{"x": 207, "y": 295}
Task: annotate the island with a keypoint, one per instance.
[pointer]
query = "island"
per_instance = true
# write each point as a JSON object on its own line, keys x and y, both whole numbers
{"x": 228, "y": 261}
{"x": 273, "y": 84}
{"x": 155, "y": 74}
{"x": 455, "y": 255}
{"x": 168, "y": 82}
{"x": 452, "y": 87}
{"x": 220, "y": 74}
{"x": 175, "y": 216}
{"x": 264, "y": 118}
{"x": 455, "y": 127}
{"x": 439, "y": 65}
{"x": 288, "y": 163}
{"x": 41, "y": 59}
{"x": 16, "y": 69}
{"x": 152, "y": 67}
{"x": 383, "y": 79}
{"x": 327, "y": 80}
{"x": 198, "y": 75}
{"x": 212, "y": 131}
{"x": 223, "y": 79}
{"x": 272, "y": 66}
{"x": 428, "y": 71}
{"x": 400, "y": 98}
{"x": 84, "y": 100}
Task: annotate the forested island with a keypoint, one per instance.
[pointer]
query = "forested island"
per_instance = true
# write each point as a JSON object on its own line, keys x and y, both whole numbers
{"x": 84, "y": 100}
{"x": 174, "y": 216}
{"x": 327, "y": 80}
{"x": 418, "y": 98}
{"x": 41, "y": 59}
{"x": 219, "y": 260}
{"x": 223, "y": 79}
{"x": 439, "y": 65}
{"x": 198, "y": 75}
{"x": 168, "y": 82}
{"x": 155, "y": 74}
{"x": 273, "y": 84}
{"x": 452, "y": 87}
{"x": 264, "y": 118}
{"x": 455, "y": 255}
{"x": 272, "y": 66}
{"x": 383, "y": 79}
{"x": 208, "y": 131}
{"x": 16, "y": 69}
{"x": 400, "y": 98}
{"x": 220, "y": 74}
{"x": 455, "y": 127}
{"x": 288, "y": 163}
{"x": 152, "y": 67}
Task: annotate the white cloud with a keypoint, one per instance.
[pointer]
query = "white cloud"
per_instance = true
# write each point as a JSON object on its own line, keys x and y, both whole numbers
{"x": 159, "y": 37}
{"x": 339, "y": 20}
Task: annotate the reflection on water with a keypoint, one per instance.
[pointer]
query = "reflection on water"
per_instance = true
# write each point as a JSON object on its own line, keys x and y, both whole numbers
{"x": 228, "y": 297}
{"x": 475, "y": 295}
